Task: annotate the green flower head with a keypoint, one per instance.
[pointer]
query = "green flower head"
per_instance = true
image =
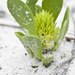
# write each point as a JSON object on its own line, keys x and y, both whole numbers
{"x": 46, "y": 28}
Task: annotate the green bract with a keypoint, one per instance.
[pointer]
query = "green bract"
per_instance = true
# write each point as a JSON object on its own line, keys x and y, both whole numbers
{"x": 40, "y": 21}
{"x": 46, "y": 28}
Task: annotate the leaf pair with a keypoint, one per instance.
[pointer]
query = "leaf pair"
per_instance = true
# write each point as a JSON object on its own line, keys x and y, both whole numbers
{"x": 24, "y": 13}
{"x": 34, "y": 47}
{"x": 32, "y": 43}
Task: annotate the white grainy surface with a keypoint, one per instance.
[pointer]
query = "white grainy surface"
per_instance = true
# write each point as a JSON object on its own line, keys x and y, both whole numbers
{"x": 71, "y": 70}
{"x": 13, "y": 60}
{"x": 12, "y": 53}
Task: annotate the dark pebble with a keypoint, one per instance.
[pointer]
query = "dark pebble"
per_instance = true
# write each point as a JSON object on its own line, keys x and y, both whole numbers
{"x": 42, "y": 34}
{"x": 36, "y": 70}
{"x": 34, "y": 66}
{"x": 0, "y": 68}
{"x": 68, "y": 39}
{"x": 25, "y": 53}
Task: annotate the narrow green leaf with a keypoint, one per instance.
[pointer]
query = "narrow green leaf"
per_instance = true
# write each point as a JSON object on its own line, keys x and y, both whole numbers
{"x": 22, "y": 14}
{"x": 32, "y": 5}
{"x": 65, "y": 25}
{"x": 32, "y": 43}
{"x": 21, "y": 36}
{"x": 34, "y": 47}
{"x": 53, "y": 6}
{"x": 56, "y": 45}
{"x": 63, "y": 29}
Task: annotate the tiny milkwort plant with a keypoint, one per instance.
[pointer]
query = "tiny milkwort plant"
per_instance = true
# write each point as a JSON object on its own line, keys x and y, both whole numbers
{"x": 40, "y": 22}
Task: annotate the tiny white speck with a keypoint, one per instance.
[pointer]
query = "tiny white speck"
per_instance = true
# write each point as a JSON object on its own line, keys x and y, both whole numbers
{"x": 30, "y": 19}
{"x": 27, "y": 12}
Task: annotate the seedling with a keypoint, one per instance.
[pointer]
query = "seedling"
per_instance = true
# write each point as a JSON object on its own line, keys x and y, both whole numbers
{"x": 40, "y": 22}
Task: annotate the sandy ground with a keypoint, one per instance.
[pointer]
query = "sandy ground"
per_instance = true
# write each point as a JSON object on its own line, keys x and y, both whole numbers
{"x": 14, "y": 59}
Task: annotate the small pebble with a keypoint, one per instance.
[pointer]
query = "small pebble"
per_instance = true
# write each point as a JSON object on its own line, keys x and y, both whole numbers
{"x": 36, "y": 70}
{"x": 25, "y": 53}
{"x": 34, "y": 66}
{"x": 68, "y": 39}
{"x": 0, "y": 68}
